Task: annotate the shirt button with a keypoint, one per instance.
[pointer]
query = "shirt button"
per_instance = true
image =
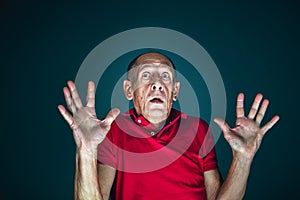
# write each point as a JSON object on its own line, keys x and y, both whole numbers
{"x": 152, "y": 133}
{"x": 139, "y": 121}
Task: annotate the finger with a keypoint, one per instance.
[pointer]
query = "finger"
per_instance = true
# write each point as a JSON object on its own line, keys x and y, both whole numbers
{"x": 90, "y": 97}
{"x": 222, "y": 124}
{"x": 270, "y": 124}
{"x": 255, "y": 106}
{"x": 69, "y": 100}
{"x": 74, "y": 94}
{"x": 261, "y": 113}
{"x": 240, "y": 106}
{"x": 66, "y": 115}
{"x": 111, "y": 116}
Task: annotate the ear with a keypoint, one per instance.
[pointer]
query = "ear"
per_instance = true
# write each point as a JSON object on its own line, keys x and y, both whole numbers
{"x": 176, "y": 91}
{"x": 127, "y": 89}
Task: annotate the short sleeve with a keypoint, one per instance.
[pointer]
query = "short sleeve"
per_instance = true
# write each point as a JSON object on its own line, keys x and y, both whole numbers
{"x": 210, "y": 161}
{"x": 207, "y": 150}
{"x": 107, "y": 149}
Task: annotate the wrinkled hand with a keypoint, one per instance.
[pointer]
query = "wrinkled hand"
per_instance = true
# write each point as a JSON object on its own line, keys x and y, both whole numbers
{"x": 88, "y": 131}
{"x": 245, "y": 138}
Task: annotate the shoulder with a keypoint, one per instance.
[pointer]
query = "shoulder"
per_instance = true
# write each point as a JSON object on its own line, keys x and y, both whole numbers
{"x": 200, "y": 128}
{"x": 195, "y": 122}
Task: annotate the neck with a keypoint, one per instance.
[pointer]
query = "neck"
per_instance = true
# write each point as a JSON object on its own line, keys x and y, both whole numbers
{"x": 159, "y": 126}
{"x": 157, "y": 122}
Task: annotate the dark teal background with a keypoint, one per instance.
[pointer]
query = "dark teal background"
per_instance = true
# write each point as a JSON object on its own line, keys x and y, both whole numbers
{"x": 255, "y": 46}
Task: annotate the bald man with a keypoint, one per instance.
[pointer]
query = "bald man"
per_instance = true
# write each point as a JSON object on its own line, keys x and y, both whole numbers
{"x": 152, "y": 125}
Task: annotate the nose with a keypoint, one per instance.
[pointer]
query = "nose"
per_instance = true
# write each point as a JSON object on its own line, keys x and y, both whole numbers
{"x": 157, "y": 86}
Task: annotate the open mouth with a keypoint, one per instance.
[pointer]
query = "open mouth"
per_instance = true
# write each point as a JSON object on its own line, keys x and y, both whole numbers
{"x": 156, "y": 100}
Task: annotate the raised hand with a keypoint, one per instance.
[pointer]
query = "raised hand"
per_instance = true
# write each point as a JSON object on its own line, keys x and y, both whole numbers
{"x": 88, "y": 130}
{"x": 245, "y": 138}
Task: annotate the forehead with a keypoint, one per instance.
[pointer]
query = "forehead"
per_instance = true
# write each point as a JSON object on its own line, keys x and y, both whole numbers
{"x": 153, "y": 58}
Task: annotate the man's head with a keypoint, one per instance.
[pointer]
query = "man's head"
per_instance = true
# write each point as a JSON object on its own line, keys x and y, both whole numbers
{"x": 152, "y": 86}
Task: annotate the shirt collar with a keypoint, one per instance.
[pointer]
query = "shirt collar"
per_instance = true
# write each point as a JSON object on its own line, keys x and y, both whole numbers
{"x": 174, "y": 116}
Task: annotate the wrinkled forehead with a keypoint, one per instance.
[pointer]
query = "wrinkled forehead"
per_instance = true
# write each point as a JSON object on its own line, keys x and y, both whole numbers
{"x": 153, "y": 59}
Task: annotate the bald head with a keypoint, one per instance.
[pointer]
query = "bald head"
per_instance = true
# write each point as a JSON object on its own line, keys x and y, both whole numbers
{"x": 149, "y": 58}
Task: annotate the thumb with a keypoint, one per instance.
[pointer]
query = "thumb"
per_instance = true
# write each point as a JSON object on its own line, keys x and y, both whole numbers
{"x": 222, "y": 124}
{"x": 111, "y": 116}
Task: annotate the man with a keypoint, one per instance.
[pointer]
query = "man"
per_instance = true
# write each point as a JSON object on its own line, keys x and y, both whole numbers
{"x": 152, "y": 87}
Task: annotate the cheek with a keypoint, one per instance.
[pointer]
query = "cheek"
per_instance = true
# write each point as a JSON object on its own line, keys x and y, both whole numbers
{"x": 169, "y": 93}
{"x": 140, "y": 95}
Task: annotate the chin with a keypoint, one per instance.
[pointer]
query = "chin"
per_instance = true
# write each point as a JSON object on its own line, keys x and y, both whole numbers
{"x": 157, "y": 113}
{"x": 157, "y": 116}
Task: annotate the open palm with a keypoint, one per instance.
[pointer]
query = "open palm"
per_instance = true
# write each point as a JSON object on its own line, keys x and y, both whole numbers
{"x": 245, "y": 138}
{"x": 88, "y": 130}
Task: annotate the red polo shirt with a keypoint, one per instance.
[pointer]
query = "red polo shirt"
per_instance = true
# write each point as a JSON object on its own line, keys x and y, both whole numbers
{"x": 166, "y": 165}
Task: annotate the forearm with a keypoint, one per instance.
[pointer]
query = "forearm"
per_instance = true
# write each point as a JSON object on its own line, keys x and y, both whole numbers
{"x": 86, "y": 185}
{"x": 234, "y": 186}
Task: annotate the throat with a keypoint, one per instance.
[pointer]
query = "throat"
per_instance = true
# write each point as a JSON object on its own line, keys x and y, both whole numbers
{"x": 158, "y": 126}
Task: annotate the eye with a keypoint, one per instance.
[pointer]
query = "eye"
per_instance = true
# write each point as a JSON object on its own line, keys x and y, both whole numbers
{"x": 145, "y": 75}
{"x": 165, "y": 75}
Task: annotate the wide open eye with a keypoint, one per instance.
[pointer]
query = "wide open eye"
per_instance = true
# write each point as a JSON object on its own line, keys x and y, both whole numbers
{"x": 145, "y": 75}
{"x": 165, "y": 76}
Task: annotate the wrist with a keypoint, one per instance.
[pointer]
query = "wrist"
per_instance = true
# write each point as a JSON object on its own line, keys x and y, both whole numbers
{"x": 243, "y": 158}
{"x": 87, "y": 153}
